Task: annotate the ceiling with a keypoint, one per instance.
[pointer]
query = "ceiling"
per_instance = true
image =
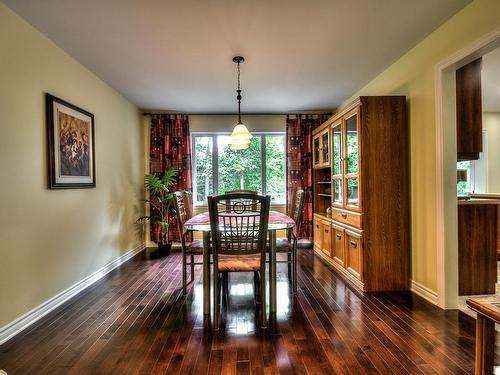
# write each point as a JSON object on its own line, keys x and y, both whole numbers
{"x": 177, "y": 55}
{"x": 490, "y": 81}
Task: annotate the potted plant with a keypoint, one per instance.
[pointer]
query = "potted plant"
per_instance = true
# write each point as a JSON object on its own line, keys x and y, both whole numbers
{"x": 160, "y": 205}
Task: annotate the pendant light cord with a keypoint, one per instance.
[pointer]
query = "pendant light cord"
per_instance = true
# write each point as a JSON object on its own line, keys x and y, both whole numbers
{"x": 239, "y": 95}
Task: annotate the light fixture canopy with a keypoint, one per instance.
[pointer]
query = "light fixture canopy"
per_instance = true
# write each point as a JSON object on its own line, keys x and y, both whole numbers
{"x": 240, "y": 137}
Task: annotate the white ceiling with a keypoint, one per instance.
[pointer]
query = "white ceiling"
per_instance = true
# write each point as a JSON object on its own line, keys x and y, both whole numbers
{"x": 490, "y": 81}
{"x": 177, "y": 55}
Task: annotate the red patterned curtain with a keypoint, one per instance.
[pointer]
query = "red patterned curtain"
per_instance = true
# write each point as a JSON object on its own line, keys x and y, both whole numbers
{"x": 170, "y": 145}
{"x": 299, "y": 164}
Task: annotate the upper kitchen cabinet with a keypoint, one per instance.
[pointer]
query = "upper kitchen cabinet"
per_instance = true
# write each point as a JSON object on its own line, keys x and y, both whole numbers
{"x": 469, "y": 111}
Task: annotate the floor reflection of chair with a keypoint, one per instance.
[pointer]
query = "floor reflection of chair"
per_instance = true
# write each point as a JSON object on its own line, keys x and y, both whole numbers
{"x": 239, "y": 224}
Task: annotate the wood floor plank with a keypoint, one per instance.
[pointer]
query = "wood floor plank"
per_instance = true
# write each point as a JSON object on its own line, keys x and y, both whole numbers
{"x": 136, "y": 321}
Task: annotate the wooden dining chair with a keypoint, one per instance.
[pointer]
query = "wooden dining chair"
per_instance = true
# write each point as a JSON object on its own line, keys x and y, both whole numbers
{"x": 243, "y": 191}
{"x": 288, "y": 245}
{"x": 189, "y": 248}
{"x": 239, "y": 223}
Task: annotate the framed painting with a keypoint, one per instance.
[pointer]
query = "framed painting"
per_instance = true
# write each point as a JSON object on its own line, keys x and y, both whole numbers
{"x": 70, "y": 145}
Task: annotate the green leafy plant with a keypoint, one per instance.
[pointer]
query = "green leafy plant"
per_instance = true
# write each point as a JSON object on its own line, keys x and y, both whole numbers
{"x": 160, "y": 201}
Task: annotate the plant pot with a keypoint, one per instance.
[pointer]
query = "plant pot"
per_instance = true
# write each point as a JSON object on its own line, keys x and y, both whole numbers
{"x": 164, "y": 248}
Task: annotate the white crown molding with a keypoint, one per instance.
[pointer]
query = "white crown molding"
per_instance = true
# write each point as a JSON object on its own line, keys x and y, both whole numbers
{"x": 424, "y": 292}
{"x": 24, "y": 321}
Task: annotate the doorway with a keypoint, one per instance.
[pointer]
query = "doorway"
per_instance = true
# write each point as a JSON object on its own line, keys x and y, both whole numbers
{"x": 446, "y": 166}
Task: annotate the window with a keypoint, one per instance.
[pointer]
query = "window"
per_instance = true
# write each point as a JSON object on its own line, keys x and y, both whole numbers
{"x": 218, "y": 169}
{"x": 472, "y": 176}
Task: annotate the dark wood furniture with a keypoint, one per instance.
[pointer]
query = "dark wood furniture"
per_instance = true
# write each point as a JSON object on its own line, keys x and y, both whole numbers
{"x": 239, "y": 224}
{"x": 477, "y": 247}
{"x": 191, "y": 248}
{"x": 201, "y": 223}
{"x": 488, "y": 313}
{"x": 366, "y": 184}
{"x": 469, "y": 111}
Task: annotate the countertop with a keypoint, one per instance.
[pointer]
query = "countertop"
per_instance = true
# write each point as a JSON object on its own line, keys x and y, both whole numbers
{"x": 478, "y": 201}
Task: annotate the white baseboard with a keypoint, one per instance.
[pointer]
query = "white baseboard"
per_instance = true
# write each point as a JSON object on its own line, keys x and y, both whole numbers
{"x": 424, "y": 292}
{"x": 24, "y": 321}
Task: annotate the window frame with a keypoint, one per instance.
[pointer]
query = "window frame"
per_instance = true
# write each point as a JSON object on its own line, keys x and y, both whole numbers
{"x": 215, "y": 162}
{"x": 478, "y": 170}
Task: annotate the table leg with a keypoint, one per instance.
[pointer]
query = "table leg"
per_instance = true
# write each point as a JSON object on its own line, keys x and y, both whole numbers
{"x": 206, "y": 273}
{"x": 485, "y": 345}
{"x": 272, "y": 273}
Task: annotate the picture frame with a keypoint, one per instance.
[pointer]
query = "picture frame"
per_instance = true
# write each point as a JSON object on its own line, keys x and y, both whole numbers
{"x": 71, "y": 150}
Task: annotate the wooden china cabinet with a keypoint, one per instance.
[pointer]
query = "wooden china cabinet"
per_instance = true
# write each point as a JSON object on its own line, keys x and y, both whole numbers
{"x": 360, "y": 158}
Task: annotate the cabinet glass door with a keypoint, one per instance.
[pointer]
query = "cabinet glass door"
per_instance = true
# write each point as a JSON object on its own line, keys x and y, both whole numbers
{"x": 325, "y": 144}
{"x": 337, "y": 150}
{"x": 316, "y": 151}
{"x": 352, "y": 161}
{"x": 352, "y": 144}
{"x": 352, "y": 192}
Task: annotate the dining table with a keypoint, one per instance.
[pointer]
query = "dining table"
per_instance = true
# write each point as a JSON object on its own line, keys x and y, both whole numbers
{"x": 201, "y": 223}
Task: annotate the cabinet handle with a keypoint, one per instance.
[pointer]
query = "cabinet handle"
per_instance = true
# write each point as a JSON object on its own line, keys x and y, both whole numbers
{"x": 344, "y": 215}
{"x": 354, "y": 244}
{"x": 339, "y": 236}
{"x": 326, "y": 230}
{"x": 317, "y": 226}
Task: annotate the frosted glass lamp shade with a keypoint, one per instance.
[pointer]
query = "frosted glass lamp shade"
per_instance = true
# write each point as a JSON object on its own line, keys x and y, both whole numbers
{"x": 240, "y": 132}
{"x": 240, "y": 137}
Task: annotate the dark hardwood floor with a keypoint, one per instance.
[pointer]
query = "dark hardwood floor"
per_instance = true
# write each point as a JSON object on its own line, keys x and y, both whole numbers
{"x": 135, "y": 321}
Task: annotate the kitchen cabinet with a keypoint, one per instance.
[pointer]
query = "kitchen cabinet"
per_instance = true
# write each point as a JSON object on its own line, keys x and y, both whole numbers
{"x": 469, "y": 111}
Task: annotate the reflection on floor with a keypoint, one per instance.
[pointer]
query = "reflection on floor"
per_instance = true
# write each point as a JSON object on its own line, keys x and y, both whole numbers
{"x": 136, "y": 321}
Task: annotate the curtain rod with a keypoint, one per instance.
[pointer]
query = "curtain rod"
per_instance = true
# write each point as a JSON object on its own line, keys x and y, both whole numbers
{"x": 232, "y": 114}
{"x": 162, "y": 113}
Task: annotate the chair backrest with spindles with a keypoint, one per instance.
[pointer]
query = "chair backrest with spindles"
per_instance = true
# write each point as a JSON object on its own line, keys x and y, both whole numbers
{"x": 239, "y": 223}
{"x": 242, "y": 191}
{"x": 296, "y": 212}
{"x": 182, "y": 211}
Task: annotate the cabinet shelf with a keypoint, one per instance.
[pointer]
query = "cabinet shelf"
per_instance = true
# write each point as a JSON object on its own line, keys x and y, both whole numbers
{"x": 324, "y": 182}
{"x": 325, "y": 195}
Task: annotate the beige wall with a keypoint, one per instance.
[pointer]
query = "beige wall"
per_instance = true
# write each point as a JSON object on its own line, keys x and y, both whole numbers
{"x": 413, "y": 75}
{"x": 491, "y": 122}
{"x": 51, "y": 239}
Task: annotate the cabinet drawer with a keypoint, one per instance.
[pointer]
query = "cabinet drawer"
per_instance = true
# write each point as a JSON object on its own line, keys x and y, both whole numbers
{"x": 354, "y": 253}
{"x": 338, "y": 244}
{"x": 327, "y": 239}
{"x": 318, "y": 234}
{"x": 347, "y": 217}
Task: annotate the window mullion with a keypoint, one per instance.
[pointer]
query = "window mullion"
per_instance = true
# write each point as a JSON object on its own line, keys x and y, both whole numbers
{"x": 215, "y": 164}
{"x": 263, "y": 162}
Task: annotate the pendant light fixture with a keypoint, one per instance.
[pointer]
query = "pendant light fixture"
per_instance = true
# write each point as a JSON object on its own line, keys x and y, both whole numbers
{"x": 240, "y": 137}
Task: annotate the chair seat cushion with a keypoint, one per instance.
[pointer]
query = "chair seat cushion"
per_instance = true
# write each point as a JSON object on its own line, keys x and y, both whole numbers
{"x": 239, "y": 263}
{"x": 195, "y": 247}
{"x": 282, "y": 245}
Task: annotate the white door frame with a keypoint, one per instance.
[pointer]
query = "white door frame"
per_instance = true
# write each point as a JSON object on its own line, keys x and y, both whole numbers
{"x": 446, "y": 158}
